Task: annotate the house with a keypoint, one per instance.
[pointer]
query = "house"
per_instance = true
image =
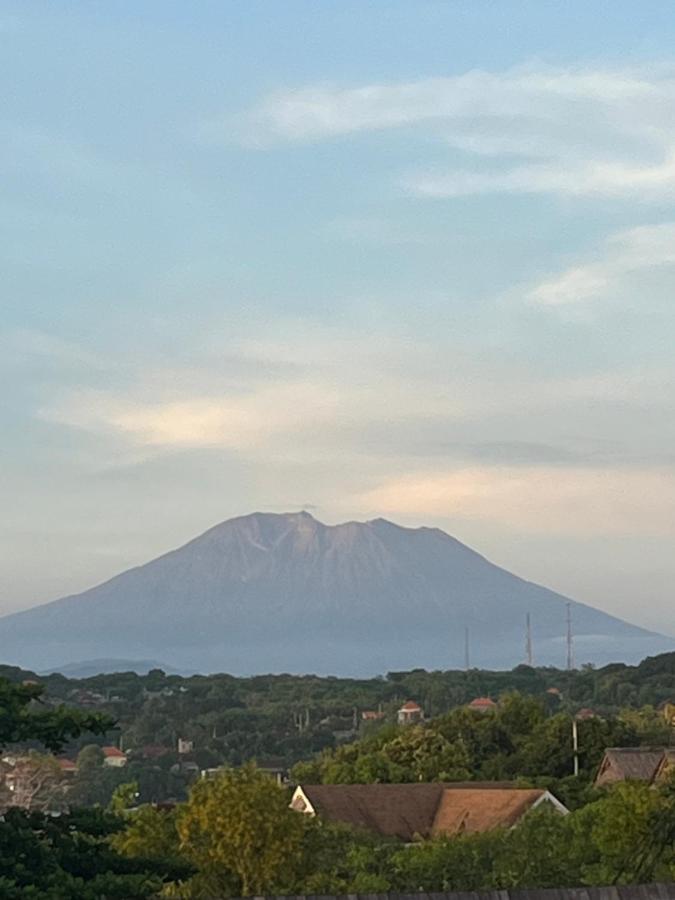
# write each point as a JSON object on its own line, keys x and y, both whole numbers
{"x": 629, "y": 764}
{"x": 662, "y": 891}
{"x": 417, "y": 811}
{"x": 113, "y": 757}
{"x": 666, "y": 767}
{"x": 483, "y": 705}
{"x": 372, "y": 715}
{"x": 185, "y": 746}
{"x": 410, "y": 713}
{"x": 68, "y": 767}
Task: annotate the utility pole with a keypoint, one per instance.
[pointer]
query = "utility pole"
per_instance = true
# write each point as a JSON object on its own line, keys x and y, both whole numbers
{"x": 575, "y": 745}
{"x": 467, "y": 656}
{"x": 570, "y": 653}
{"x": 529, "y": 656}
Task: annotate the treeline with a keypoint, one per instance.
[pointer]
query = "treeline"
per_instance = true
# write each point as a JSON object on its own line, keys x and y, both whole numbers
{"x": 280, "y": 720}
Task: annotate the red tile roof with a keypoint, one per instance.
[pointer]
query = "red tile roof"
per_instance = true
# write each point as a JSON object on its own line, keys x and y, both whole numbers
{"x": 110, "y": 752}
{"x": 482, "y": 703}
{"x": 411, "y": 706}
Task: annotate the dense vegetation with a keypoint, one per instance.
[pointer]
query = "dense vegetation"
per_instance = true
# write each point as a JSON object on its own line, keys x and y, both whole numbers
{"x": 238, "y": 833}
{"x": 235, "y": 834}
{"x": 284, "y": 719}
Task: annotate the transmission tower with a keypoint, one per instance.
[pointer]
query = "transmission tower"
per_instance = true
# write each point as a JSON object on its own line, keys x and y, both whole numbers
{"x": 570, "y": 639}
{"x": 529, "y": 655}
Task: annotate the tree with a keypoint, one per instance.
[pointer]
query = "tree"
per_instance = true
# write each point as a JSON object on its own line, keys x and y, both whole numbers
{"x": 25, "y": 717}
{"x": 238, "y": 830}
{"x": 35, "y": 782}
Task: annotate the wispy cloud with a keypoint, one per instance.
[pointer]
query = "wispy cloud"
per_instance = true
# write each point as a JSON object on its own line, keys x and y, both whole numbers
{"x": 531, "y": 129}
{"x": 620, "y": 257}
{"x": 574, "y": 501}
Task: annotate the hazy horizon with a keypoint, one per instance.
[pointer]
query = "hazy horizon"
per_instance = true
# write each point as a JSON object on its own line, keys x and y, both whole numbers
{"x": 403, "y": 260}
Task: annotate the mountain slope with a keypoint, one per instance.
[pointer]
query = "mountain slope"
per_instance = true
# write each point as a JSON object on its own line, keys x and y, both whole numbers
{"x": 272, "y": 592}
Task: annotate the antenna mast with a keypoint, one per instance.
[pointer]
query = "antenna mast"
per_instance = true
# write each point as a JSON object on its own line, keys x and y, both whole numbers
{"x": 570, "y": 648}
{"x": 529, "y": 655}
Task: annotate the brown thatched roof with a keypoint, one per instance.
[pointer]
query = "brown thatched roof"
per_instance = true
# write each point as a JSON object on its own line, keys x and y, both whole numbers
{"x": 629, "y": 764}
{"x": 410, "y": 811}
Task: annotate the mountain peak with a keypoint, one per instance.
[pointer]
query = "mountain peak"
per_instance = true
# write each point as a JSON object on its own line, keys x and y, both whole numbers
{"x": 284, "y": 592}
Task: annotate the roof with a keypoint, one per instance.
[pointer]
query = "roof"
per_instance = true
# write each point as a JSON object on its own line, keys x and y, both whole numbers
{"x": 481, "y": 702}
{"x": 629, "y": 764}
{"x": 665, "y": 766}
{"x": 665, "y": 891}
{"x": 67, "y": 765}
{"x": 110, "y": 752}
{"x": 411, "y": 706}
{"x": 470, "y": 810}
{"x": 409, "y": 811}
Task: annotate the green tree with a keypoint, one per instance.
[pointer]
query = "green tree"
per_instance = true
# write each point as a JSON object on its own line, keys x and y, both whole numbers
{"x": 239, "y": 832}
{"x": 25, "y": 717}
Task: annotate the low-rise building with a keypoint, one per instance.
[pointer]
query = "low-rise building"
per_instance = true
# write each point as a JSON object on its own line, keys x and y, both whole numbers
{"x": 112, "y": 756}
{"x": 483, "y": 705}
{"x": 410, "y": 713}
{"x": 413, "y": 812}
{"x": 629, "y": 764}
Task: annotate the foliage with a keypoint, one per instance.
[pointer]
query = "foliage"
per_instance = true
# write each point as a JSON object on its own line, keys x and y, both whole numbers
{"x": 68, "y": 858}
{"x": 238, "y": 830}
{"x": 24, "y": 717}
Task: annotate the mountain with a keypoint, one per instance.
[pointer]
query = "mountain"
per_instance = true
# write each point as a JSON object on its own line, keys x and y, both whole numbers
{"x": 286, "y": 593}
{"x": 90, "y": 667}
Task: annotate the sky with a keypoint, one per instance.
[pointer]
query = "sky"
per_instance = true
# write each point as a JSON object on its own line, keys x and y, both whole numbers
{"x": 401, "y": 259}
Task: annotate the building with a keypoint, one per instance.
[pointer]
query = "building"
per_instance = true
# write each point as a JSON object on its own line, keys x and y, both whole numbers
{"x": 413, "y": 812}
{"x": 662, "y": 891}
{"x": 114, "y": 757}
{"x": 185, "y": 746}
{"x": 410, "y": 713}
{"x": 629, "y": 764}
{"x": 68, "y": 767}
{"x": 483, "y": 705}
{"x": 666, "y": 767}
{"x": 372, "y": 715}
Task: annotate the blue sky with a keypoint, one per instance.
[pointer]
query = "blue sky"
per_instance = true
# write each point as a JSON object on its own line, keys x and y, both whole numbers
{"x": 403, "y": 259}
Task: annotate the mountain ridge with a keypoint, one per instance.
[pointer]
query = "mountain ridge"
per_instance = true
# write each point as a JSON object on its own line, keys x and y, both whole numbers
{"x": 286, "y": 592}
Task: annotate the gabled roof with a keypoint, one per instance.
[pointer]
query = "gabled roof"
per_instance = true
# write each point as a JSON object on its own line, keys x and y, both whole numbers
{"x": 394, "y": 810}
{"x": 411, "y": 706}
{"x": 666, "y": 766}
{"x": 629, "y": 764}
{"x": 475, "y": 810}
{"x": 410, "y": 811}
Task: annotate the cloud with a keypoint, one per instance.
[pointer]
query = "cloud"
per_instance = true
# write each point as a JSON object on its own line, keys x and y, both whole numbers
{"x": 621, "y": 256}
{"x": 537, "y": 499}
{"x": 530, "y": 129}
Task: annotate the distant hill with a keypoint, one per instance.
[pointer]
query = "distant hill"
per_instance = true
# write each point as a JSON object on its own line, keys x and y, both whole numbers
{"x": 286, "y": 593}
{"x": 90, "y": 667}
